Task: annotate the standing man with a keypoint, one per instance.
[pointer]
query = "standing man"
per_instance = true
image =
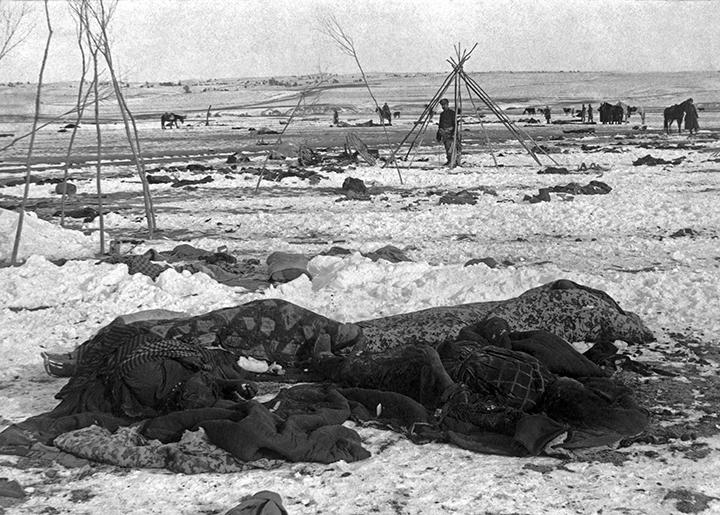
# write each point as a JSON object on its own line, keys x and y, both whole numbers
{"x": 546, "y": 112}
{"x": 590, "y": 116}
{"x": 583, "y": 114}
{"x": 691, "y": 117}
{"x": 446, "y": 134}
{"x": 386, "y": 114}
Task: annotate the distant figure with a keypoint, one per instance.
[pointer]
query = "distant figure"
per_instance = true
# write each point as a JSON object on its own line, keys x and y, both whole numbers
{"x": 691, "y": 117}
{"x": 583, "y": 114}
{"x": 396, "y": 114}
{"x": 171, "y": 119}
{"x": 529, "y": 110}
{"x": 446, "y": 134}
{"x": 386, "y": 114}
{"x": 590, "y": 114}
{"x": 642, "y": 116}
{"x": 336, "y": 117}
{"x": 546, "y": 112}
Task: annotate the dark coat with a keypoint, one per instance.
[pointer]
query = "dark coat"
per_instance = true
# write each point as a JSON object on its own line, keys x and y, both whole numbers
{"x": 447, "y": 119}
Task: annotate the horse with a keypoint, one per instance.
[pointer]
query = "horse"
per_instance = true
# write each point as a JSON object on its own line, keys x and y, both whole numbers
{"x": 385, "y": 114}
{"x": 529, "y": 110}
{"x": 568, "y": 110}
{"x": 171, "y": 119}
{"x": 674, "y": 113}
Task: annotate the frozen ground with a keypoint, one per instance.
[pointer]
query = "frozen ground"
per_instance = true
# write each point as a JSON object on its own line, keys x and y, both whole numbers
{"x": 622, "y": 243}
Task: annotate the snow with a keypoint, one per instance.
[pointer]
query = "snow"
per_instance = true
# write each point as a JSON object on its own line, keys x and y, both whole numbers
{"x": 624, "y": 248}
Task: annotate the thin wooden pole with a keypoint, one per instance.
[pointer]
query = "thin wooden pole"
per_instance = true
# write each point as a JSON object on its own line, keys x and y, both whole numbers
{"x": 28, "y": 163}
{"x": 80, "y": 106}
{"x": 98, "y": 133}
{"x": 482, "y": 125}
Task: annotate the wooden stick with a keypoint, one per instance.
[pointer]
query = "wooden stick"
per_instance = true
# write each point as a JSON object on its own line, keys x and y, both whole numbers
{"x": 80, "y": 107}
{"x": 98, "y": 172}
{"x": 482, "y": 125}
{"x": 26, "y": 191}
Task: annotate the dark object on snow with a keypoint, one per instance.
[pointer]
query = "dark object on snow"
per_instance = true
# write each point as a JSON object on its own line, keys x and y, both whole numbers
{"x": 336, "y": 251}
{"x": 355, "y": 189}
{"x": 235, "y": 158}
{"x": 308, "y": 157}
{"x": 11, "y": 488}
{"x": 265, "y": 130}
{"x": 649, "y": 160}
{"x": 71, "y": 126}
{"x": 159, "y": 179}
{"x": 67, "y": 187}
{"x": 285, "y": 266}
{"x": 197, "y": 167}
{"x": 683, "y": 232}
{"x": 388, "y": 253}
{"x": 490, "y": 262}
{"x": 554, "y": 170}
{"x": 88, "y": 214}
{"x": 351, "y": 184}
{"x": 592, "y": 188}
{"x": 264, "y": 502}
{"x": 189, "y": 182}
{"x": 588, "y": 130}
{"x": 542, "y": 196}
{"x": 460, "y": 197}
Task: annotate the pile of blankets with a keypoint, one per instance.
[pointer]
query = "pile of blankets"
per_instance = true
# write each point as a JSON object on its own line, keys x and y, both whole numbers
{"x": 305, "y": 422}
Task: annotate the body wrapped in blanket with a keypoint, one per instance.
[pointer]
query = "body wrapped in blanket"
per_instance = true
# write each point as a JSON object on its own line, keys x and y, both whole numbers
{"x": 494, "y": 377}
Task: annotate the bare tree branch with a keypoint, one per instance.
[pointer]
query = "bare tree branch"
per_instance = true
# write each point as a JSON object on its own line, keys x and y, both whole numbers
{"x": 26, "y": 191}
{"x": 332, "y": 28}
{"x": 13, "y": 29}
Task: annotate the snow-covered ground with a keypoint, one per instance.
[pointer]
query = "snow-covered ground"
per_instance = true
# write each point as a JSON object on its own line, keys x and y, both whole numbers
{"x": 620, "y": 242}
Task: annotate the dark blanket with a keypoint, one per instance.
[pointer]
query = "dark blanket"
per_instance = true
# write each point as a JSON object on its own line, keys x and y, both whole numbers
{"x": 304, "y": 423}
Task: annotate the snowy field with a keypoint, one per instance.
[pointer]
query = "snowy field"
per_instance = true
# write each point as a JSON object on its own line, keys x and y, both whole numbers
{"x": 651, "y": 243}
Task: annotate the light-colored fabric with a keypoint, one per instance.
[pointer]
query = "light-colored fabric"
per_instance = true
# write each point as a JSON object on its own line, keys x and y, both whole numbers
{"x": 193, "y": 454}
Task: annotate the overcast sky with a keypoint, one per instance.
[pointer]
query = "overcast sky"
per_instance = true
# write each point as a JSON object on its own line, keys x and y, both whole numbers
{"x": 177, "y": 39}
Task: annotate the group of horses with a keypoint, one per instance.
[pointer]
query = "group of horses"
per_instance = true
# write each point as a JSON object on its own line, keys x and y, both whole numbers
{"x": 615, "y": 113}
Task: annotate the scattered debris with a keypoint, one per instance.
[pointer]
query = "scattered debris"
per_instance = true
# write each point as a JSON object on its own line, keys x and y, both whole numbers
{"x": 189, "y": 182}
{"x": 460, "y": 197}
{"x": 355, "y": 189}
{"x": 542, "y": 196}
{"x": 88, "y": 214}
{"x": 308, "y": 157}
{"x": 649, "y": 160}
{"x": 684, "y": 232}
{"x": 388, "y": 253}
{"x": 490, "y": 262}
{"x": 65, "y": 187}
{"x": 592, "y": 188}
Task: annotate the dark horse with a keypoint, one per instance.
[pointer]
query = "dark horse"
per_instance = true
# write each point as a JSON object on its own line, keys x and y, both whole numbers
{"x": 385, "y": 114}
{"x": 171, "y": 119}
{"x": 674, "y": 113}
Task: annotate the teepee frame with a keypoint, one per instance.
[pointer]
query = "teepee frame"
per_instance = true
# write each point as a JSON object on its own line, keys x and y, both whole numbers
{"x": 456, "y": 78}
